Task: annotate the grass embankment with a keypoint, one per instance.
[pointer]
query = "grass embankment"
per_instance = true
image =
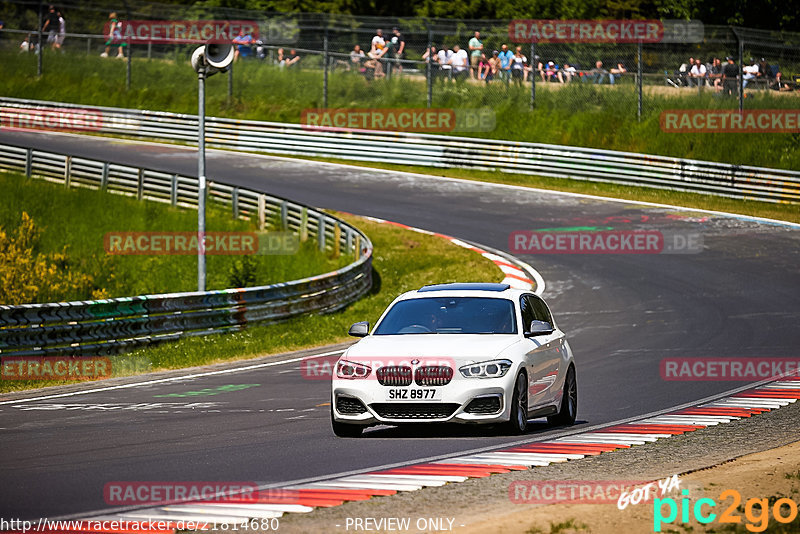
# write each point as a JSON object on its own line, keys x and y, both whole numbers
{"x": 579, "y": 114}
{"x": 68, "y": 241}
{"x": 403, "y": 260}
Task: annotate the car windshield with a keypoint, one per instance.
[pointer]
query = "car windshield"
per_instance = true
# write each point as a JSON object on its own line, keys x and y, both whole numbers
{"x": 449, "y": 315}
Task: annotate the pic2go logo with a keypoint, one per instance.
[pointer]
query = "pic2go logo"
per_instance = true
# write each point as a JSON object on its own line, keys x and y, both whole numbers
{"x": 756, "y": 511}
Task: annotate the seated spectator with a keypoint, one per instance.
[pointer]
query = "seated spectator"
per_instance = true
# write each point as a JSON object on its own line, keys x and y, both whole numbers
{"x": 765, "y": 72}
{"x": 460, "y": 63}
{"x": 375, "y": 54}
{"x": 280, "y": 58}
{"x": 683, "y": 72}
{"x": 484, "y": 68}
{"x": 549, "y": 72}
{"x": 242, "y": 42}
{"x": 598, "y": 73}
{"x": 566, "y": 73}
{"x": 616, "y": 73}
{"x": 715, "y": 74}
{"x": 356, "y": 56}
{"x": 518, "y": 65}
{"x": 494, "y": 65}
{"x": 293, "y": 59}
{"x": 697, "y": 74}
{"x": 779, "y": 85}
{"x": 749, "y": 72}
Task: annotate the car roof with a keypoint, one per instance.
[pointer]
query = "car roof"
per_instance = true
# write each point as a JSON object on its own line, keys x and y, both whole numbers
{"x": 465, "y": 289}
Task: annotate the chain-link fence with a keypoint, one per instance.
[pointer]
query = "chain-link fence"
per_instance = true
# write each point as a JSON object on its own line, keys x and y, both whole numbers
{"x": 369, "y": 62}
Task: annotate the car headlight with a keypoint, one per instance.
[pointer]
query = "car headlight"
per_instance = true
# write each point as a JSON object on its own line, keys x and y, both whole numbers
{"x": 351, "y": 370}
{"x": 490, "y": 369}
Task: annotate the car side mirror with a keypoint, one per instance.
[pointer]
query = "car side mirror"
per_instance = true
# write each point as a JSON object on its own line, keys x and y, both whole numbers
{"x": 539, "y": 328}
{"x": 359, "y": 329}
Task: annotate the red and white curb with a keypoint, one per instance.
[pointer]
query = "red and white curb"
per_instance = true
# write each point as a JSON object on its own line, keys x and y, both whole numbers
{"x": 517, "y": 273}
{"x": 302, "y": 498}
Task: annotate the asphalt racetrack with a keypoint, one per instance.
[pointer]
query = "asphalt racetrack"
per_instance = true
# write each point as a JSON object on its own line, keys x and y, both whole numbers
{"x": 623, "y": 313}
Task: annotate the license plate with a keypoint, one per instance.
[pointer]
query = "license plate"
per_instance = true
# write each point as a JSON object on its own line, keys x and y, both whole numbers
{"x": 413, "y": 394}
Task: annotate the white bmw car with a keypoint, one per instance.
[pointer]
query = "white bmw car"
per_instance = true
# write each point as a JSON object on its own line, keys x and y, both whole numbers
{"x": 459, "y": 353}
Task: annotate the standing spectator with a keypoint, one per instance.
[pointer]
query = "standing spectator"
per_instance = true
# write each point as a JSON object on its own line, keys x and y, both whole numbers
{"x": 114, "y": 35}
{"x": 62, "y": 31}
{"x": 750, "y": 72}
{"x": 475, "y": 53}
{"x": 730, "y": 73}
{"x": 293, "y": 58}
{"x": 697, "y": 74}
{"x": 715, "y": 74}
{"x": 566, "y": 73}
{"x": 506, "y": 58}
{"x": 398, "y": 47}
{"x": 598, "y": 73}
{"x": 51, "y": 27}
{"x": 443, "y": 57}
{"x": 518, "y": 65}
{"x": 242, "y": 43}
{"x": 616, "y": 73}
{"x": 460, "y": 63}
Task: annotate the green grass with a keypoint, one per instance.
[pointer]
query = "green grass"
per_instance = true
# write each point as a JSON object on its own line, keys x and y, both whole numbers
{"x": 404, "y": 260}
{"x": 578, "y": 114}
{"x": 80, "y": 218}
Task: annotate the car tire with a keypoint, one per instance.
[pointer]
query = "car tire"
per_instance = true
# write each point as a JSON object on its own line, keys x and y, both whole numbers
{"x": 345, "y": 430}
{"x": 569, "y": 402}
{"x": 518, "y": 421}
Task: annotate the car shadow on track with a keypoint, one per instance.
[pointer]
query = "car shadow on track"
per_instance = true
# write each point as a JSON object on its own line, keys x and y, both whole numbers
{"x": 452, "y": 430}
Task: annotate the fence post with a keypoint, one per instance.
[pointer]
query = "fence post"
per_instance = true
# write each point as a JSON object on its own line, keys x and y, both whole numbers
{"x": 28, "y": 162}
{"x": 262, "y": 207}
{"x": 88, "y": 46}
{"x": 741, "y": 74}
{"x": 230, "y": 82}
{"x": 104, "y": 177}
{"x": 67, "y": 170}
{"x": 337, "y": 240}
{"x": 41, "y": 51}
{"x": 639, "y": 80}
{"x": 325, "y": 69}
{"x": 304, "y": 225}
{"x": 140, "y": 187}
{"x": 533, "y": 74}
{"x": 429, "y": 67}
{"x": 128, "y": 66}
{"x": 173, "y": 197}
{"x": 149, "y": 50}
{"x": 321, "y": 231}
{"x": 235, "y": 202}
{"x": 284, "y": 216}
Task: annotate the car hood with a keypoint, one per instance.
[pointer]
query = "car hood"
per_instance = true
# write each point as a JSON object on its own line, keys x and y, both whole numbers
{"x": 463, "y": 348}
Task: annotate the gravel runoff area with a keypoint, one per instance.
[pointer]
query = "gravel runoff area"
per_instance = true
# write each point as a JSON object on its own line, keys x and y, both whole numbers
{"x": 483, "y": 505}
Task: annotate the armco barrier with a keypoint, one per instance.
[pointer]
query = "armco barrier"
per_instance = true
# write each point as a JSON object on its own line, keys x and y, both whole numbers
{"x": 745, "y": 182}
{"x": 118, "y": 325}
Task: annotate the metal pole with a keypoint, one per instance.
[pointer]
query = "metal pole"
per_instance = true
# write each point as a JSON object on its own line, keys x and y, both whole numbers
{"x": 128, "y": 66}
{"x": 201, "y": 177}
{"x": 39, "y": 56}
{"x": 741, "y": 74}
{"x": 325, "y": 69}
{"x": 639, "y": 80}
{"x": 533, "y": 74}
{"x": 230, "y": 82}
{"x": 429, "y": 67}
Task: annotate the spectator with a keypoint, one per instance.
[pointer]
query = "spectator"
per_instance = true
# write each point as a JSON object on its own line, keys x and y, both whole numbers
{"x": 518, "y": 64}
{"x": 506, "y": 58}
{"x": 494, "y": 65}
{"x": 62, "y": 31}
{"x": 484, "y": 68}
{"x": 730, "y": 73}
{"x": 750, "y": 72}
{"x": 475, "y": 54}
{"x": 697, "y": 74}
{"x": 280, "y": 58}
{"x": 242, "y": 43}
{"x": 549, "y": 72}
{"x": 566, "y": 73}
{"x": 598, "y": 73}
{"x": 683, "y": 71}
{"x": 378, "y": 42}
{"x": 460, "y": 63}
{"x": 357, "y": 56}
{"x": 25, "y": 45}
{"x": 715, "y": 74}
{"x": 764, "y": 71}
{"x": 443, "y": 58}
{"x": 398, "y": 47}
{"x": 616, "y": 73}
{"x": 292, "y": 59}
{"x": 376, "y": 52}
{"x": 51, "y": 27}
{"x": 114, "y": 35}
{"x": 779, "y": 85}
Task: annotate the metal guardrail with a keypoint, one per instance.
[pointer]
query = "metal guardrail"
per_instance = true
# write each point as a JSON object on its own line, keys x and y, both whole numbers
{"x": 118, "y": 325}
{"x": 735, "y": 181}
